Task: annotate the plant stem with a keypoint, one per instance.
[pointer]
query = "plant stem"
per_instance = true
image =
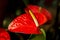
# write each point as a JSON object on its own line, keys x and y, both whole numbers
{"x": 29, "y": 37}
{"x": 43, "y": 33}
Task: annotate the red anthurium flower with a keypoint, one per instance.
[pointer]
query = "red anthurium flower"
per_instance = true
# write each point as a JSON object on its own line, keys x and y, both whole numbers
{"x": 40, "y": 17}
{"x": 29, "y": 22}
{"x": 39, "y": 10}
{"x": 4, "y": 35}
{"x": 23, "y": 24}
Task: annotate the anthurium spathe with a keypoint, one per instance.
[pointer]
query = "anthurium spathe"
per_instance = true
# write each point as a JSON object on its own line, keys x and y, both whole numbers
{"x": 4, "y": 34}
{"x": 37, "y": 10}
{"x": 23, "y": 24}
{"x": 29, "y": 22}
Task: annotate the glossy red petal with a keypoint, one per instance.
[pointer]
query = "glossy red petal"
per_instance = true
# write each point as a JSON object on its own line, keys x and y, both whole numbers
{"x": 35, "y": 10}
{"x": 23, "y": 24}
{"x": 4, "y": 35}
{"x": 39, "y": 16}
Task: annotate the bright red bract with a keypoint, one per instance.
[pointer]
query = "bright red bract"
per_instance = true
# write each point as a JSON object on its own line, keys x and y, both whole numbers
{"x": 25, "y": 24}
{"x": 4, "y": 35}
{"x": 35, "y": 10}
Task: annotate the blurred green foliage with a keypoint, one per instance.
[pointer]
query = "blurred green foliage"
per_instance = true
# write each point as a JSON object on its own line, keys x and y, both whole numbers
{"x": 37, "y": 37}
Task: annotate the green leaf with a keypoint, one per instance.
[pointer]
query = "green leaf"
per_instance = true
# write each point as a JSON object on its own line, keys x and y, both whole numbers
{"x": 37, "y": 37}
